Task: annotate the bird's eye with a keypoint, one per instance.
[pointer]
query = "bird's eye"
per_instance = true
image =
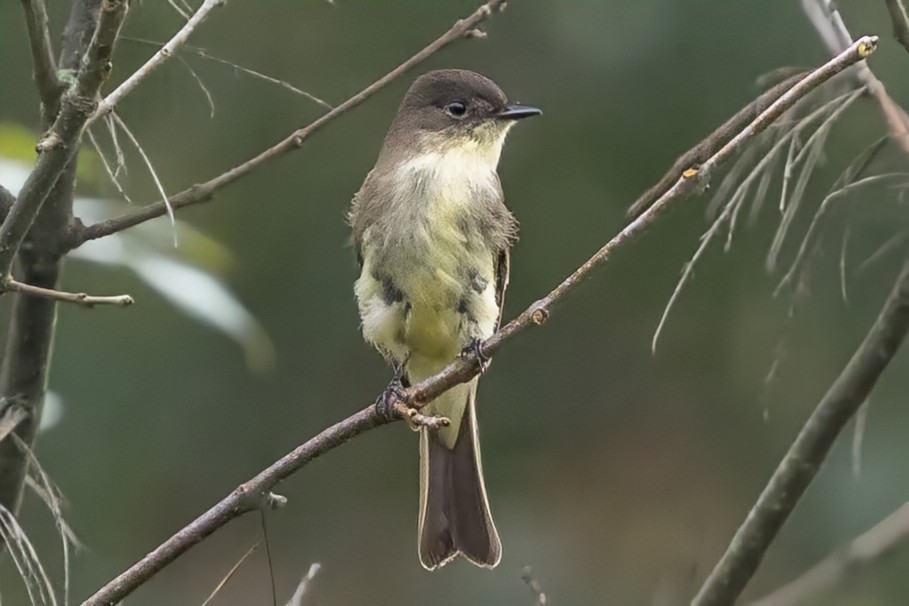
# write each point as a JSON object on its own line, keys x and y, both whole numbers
{"x": 456, "y": 109}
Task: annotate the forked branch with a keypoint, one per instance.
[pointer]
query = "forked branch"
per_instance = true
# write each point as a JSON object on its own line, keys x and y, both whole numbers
{"x": 202, "y": 192}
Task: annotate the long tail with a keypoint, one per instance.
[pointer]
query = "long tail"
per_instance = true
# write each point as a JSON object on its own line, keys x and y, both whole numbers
{"x": 454, "y": 510}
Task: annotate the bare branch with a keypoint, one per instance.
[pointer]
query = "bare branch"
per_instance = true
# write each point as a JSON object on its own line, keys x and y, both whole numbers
{"x": 231, "y": 572}
{"x": 148, "y": 164}
{"x": 246, "y": 70}
{"x": 828, "y": 22}
{"x": 253, "y": 495}
{"x": 835, "y": 569}
{"x": 163, "y": 54}
{"x": 203, "y": 192}
{"x": 540, "y": 598}
{"x": 7, "y": 199}
{"x": 10, "y": 419}
{"x": 297, "y": 598}
{"x": 44, "y": 67}
{"x": 803, "y": 460}
{"x": 80, "y": 298}
{"x": 900, "y": 21}
{"x": 61, "y": 142}
{"x": 706, "y": 148}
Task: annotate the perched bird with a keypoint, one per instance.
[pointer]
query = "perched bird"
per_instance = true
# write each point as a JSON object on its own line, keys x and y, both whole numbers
{"x": 432, "y": 236}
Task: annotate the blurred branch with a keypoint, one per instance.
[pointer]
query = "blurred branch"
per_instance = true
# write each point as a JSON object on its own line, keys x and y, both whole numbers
{"x": 7, "y": 199}
{"x": 253, "y": 494}
{"x": 163, "y": 54}
{"x": 867, "y": 548}
{"x": 829, "y": 24}
{"x": 803, "y": 460}
{"x": 43, "y": 65}
{"x": 202, "y": 192}
{"x": 706, "y": 148}
{"x": 540, "y": 598}
{"x": 79, "y": 298}
{"x": 900, "y": 21}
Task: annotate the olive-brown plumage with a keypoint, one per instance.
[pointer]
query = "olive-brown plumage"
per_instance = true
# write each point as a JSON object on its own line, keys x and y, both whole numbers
{"x": 432, "y": 236}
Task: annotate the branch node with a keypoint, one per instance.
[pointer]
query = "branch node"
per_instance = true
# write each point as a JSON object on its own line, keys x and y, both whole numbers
{"x": 275, "y": 501}
{"x": 867, "y": 45}
{"x": 48, "y": 142}
{"x": 416, "y": 420}
{"x": 539, "y": 315}
{"x": 475, "y": 33}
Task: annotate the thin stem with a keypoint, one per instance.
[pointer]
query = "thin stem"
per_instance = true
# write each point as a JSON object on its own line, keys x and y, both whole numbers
{"x": 80, "y": 298}
{"x": 159, "y": 58}
{"x": 900, "y": 21}
{"x": 44, "y": 67}
{"x": 203, "y": 192}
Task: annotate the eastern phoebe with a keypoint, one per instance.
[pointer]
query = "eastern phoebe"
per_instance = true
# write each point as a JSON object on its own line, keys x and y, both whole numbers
{"x": 432, "y": 236}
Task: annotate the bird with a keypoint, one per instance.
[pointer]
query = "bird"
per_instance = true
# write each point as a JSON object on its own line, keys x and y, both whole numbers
{"x": 432, "y": 237}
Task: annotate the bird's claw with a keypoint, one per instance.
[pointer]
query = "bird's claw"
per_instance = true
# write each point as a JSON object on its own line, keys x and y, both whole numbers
{"x": 475, "y": 348}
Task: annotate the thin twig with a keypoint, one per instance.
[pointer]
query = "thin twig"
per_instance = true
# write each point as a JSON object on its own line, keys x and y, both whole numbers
{"x": 163, "y": 54}
{"x": 803, "y": 460}
{"x": 246, "y": 70}
{"x": 900, "y": 21}
{"x": 706, "y": 148}
{"x": 203, "y": 192}
{"x": 44, "y": 67}
{"x": 80, "y": 298}
{"x": 828, "y": 22}
{"x": 540, "y": 598}
{"x": 297, "y": 598}
{"x": 148, "y": 164}
{"x": 231, "y": 572}
{"x": 252, "y": 495}
{"x": 208, "y": 96}
{"x": 111, "y": 172}
{"x": 10, "y": 419}
{"x": 869, "y": 547}
{"x": 60, "y": 144}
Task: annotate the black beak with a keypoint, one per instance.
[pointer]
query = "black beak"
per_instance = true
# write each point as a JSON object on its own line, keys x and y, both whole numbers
{"x": 516, "y": 112}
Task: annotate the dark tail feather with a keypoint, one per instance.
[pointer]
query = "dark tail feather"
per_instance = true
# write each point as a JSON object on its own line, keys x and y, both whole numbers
{"x": 454, "y": 513}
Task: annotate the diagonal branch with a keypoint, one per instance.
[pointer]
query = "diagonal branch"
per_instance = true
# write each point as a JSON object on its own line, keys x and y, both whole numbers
{"x": 253, "y": 494}
{"x": 706, "y": 148}
{"x": 163, "y": 54}
{"x": 61, "y": 142}
{"x": 803, "y": 460}
{"x": 869, "y": 547}
{"x": 900, "y": 21}
{"x": 43, "y": 65}
{"x": 828, "y": 22}
{"x": 203, "y": 192}
{"x": 80, "y": 298}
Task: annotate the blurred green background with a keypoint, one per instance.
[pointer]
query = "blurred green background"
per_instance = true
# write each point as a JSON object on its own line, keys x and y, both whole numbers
{"x": 618, "y": 475}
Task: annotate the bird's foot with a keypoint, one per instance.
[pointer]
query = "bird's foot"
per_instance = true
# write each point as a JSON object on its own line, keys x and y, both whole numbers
{"x": 475, "y": 348}
{"x": 391, "y": 404}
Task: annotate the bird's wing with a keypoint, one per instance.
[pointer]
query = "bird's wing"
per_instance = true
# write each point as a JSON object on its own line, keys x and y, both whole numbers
{"x": 503, "y": 266}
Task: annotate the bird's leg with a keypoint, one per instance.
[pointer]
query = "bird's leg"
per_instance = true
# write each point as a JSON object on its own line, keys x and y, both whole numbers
{"x": 387, "y": 403}
{"x": 475, "y": 347}
{"x": 392, "y": 404}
